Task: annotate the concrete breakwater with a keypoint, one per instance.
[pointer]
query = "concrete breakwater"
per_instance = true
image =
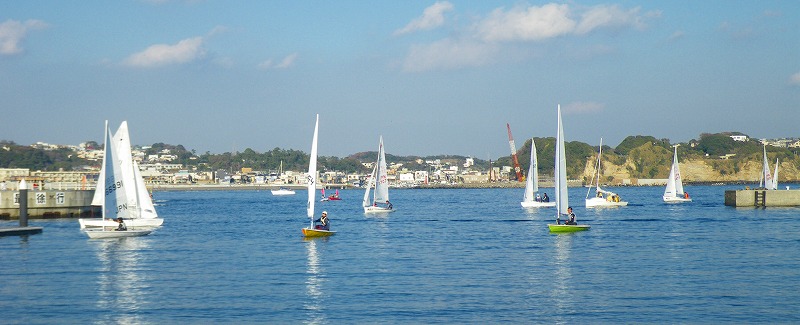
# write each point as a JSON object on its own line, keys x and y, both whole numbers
{"x": 762, "y": 198}
{"x": 44, "y": 204}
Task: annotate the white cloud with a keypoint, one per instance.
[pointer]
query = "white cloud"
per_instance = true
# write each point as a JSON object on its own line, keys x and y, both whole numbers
{"x": 163, "y": 54}
{"x": 287, "y": 62}
{"x": 528, "y": 24}
{"x": 584, "y": 107}
{"x": 480, "y": 43}
{"x": 676, "y": 36}
{"x": 795, "y": 79}
{"x": 13, "y": 32}
{"x": 611, "y": 16}
{"x": 431, "y": 18}
{"x": 448, "y": 54}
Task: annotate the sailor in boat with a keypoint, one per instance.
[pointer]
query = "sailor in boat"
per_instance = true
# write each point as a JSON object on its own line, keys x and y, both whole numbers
{"x": 538, "y": 198}
{"x": 571, "y": 220}
{"x": 325, "y": 224}
{"x": 388, "y": 205}
{"x": 121, "y": 226}
{"x": 686, "y": 195}
{"x": 545, "y": 198}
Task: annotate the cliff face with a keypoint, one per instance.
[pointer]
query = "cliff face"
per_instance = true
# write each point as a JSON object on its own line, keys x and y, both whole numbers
{"x": 648, "y": 162}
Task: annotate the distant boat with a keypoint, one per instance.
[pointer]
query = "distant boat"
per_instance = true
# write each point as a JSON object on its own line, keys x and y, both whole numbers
{"x": 282, "y": 191}
{"x": 602, "y": 198}
{"x": 313, "y": 231}
{"x": 674, "y": 193}
{"x": 768, "y": 181}
{"x": 380, "y": 182}
{"x": 137, "y": 209}
{"x": 332, "y": 197}
{"x": 562, "y": 193}
{"x": 529, "y": 199}
{"x": 113, "y": 194}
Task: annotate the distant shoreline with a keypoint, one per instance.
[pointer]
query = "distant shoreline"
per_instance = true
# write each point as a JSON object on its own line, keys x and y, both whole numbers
{"x": 263, "y": 187}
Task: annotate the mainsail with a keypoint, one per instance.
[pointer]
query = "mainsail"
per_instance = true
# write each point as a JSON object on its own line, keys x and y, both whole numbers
{"x": 532, "y": 182}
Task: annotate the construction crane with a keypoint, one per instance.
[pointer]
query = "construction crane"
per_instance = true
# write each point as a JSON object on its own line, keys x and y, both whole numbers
{"x": 517, "y": 168}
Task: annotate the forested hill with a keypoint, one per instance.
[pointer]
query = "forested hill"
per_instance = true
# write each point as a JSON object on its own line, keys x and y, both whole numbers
{"x": 714, "y": 157}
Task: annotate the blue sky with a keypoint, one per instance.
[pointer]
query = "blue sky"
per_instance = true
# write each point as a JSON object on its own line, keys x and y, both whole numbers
{"x": 432, "y": 77}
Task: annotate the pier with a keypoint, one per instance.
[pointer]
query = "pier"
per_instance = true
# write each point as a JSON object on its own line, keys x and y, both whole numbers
{"x": 762, "y": 198}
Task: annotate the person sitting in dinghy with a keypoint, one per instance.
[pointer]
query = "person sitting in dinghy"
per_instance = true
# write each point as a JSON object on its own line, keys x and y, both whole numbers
{"x": 388, "y": 205}
{"x": 121, "y": 226}
{"x": 325, "y": 224}
{"x": 545, "y": 198}
{"x": 571, "y": 220}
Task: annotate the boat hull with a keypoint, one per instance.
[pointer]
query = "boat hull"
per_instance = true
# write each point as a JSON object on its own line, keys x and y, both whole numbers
{"x": 103, "y": 234}
{"x": 534, "y": 204}
{"x": 673, "y": 199}
{"x": 374, "y": 209}
{"x": 597, "y": 202}
{"x": 97, "y": 223}
{"x": 567, "y": 228}
{"x": 317, "y": 232}
{"x": 282, "y": 192}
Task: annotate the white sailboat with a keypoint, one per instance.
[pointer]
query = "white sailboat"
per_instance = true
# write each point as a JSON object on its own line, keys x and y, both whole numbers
{"x": 532, "y": 184}
{"x": 311, "y": 230}
{"x": 562, "y": 192}
{"x": 768, "y": 181}
{"x": 112, "y": 195}
{"x": 602, "y": 198}
{"x": 282, "y": 190}
{"x": 380, "y": 181}
{"x": 674, "y": 193}
{"x": 138, "y": 209}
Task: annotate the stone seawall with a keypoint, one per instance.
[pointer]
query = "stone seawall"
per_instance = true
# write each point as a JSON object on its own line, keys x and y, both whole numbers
{"x": 49, "y": 204}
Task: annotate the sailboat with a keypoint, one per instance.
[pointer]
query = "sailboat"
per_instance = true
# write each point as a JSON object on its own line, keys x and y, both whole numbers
{"x": 380, "y": 182}
{"x": 674, "y": 190}
{"x": 562, "y": 195}
{"x": 138, "y": 210}
{"x": 768, "y": 181}
{"x": 602, "y": 198}
{"x": 112, "y": 194}
{"x": 532, "y": 184}
{"x": 282, "y": 190}
{"x": 332, "y": 197}
{"x": 312, "y": 231}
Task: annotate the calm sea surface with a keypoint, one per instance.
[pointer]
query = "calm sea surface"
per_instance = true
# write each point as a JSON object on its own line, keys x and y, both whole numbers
{"x": 446, "y": 256}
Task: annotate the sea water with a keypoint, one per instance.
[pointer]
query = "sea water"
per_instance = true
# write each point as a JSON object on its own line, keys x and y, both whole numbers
{"x": 445, "y": 256}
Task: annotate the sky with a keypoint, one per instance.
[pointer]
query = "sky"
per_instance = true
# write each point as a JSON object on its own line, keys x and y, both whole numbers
{"x": 431, "y": 77}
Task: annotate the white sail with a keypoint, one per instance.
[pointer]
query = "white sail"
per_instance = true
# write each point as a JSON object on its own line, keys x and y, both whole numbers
{"x": 674, "y": 185}
{"x": 112, "y": 182}
{"x": 532, "y": 182}
{"x": 370, "y": 183}
{"x": 124, "y": 161}
{"x": 312, "y": 175}
{"x": 146, "y": 208}
{"x": 775, "y": 176}
{"x": 597, "y": 173}
{"x": 562, "y": 199}
{"x": 766, "y": 176}
{"x": 382, "y": 177}
{"x": 99, "y": 191}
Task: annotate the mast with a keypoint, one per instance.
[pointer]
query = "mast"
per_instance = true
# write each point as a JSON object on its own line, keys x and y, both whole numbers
{"x": 517, "y": 168}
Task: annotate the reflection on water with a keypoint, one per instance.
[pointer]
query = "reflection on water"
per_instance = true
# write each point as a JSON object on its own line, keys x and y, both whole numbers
{"x": 562, "y": 290}
{"x": 121, "y": 287}
{"x": 314, "y": 306}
